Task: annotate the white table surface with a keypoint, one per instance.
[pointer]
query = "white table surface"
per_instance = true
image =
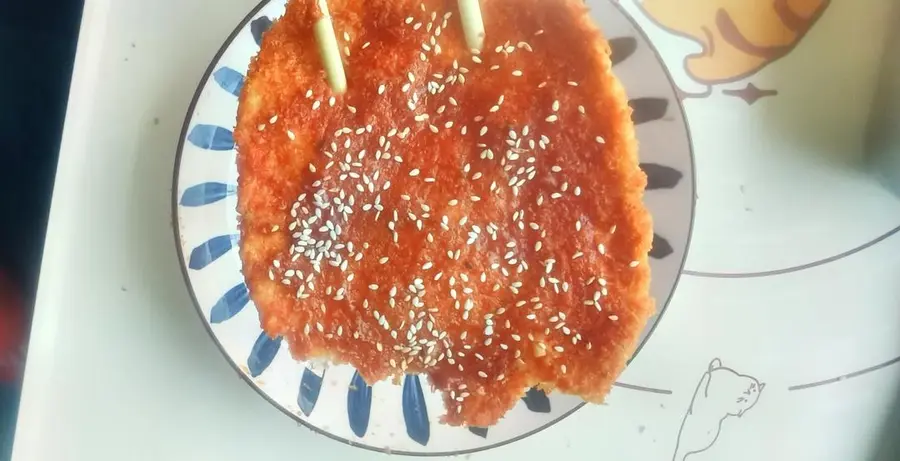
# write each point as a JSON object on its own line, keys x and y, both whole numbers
{"x": 120, "y": 367}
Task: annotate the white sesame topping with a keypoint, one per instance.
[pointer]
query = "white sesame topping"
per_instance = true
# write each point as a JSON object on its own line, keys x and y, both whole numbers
{"x": 482, "y": 374}
{"x": 517, "y": 73}
{"x": 633, "y": 264}
{"x": 555, "y": 105}
{"x": 600, "y": 140}
{"x": 571, "y": 83}
{"x": 552, "y": 118}
{"x": 414, "y": 172}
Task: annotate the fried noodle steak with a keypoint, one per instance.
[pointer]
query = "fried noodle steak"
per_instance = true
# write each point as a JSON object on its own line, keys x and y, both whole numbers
{"x": 475, "y": 217}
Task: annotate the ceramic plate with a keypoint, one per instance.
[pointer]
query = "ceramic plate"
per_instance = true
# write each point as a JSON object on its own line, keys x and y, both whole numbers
{"x": 334, "y": 400}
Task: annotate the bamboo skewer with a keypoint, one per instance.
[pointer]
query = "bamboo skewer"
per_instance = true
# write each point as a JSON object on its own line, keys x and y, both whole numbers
{"x": 329, "y": 50}
{"x": 472, "y": 23}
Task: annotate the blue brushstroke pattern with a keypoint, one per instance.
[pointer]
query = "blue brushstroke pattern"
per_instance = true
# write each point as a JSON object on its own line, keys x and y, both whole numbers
{"x": 232, "y": 302}
{"x": 262, "y": 354}
{"x": 258, "y": 27}
{"x": 479, "y": 431}
{"x": 206, "y": 193}
{"x": 211, "y": 250}
{"x": 661, "y": 176}
{"x": 359, "y": 405}
{"x": 536, "y": 400}
{"x": 211, "y": 137}
{"x": 310, "y": 385}
{"x": 230, "y": 80}
{"x": 415, "y": 414}
{"x": 661, "y": 247}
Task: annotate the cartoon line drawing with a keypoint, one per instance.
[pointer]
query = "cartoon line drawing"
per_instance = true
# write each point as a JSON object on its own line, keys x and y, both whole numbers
{"x": 738, "y": 37}
{"x": 720, "y": 394}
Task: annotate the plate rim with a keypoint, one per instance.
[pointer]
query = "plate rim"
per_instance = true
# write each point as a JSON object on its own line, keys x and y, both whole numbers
{"x": 201, "y": 85}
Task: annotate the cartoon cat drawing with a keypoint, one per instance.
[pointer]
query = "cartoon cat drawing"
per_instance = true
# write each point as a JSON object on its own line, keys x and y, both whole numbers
{"x": 739, "y": 37}
{"x": 722, "y": 393}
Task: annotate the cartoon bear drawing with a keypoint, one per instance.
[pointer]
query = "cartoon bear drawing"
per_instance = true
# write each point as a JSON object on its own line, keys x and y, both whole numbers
{"x": 722, "y": 393}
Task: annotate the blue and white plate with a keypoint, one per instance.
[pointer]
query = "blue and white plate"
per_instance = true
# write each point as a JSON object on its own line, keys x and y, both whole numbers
{"x": 334, "y": 400}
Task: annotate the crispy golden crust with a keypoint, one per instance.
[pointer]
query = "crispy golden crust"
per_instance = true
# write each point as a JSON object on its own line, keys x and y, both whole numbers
{"x": 490, "y": 256}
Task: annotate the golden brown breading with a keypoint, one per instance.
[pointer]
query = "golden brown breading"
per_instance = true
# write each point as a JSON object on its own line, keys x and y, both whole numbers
{"x": 474, "y": 218}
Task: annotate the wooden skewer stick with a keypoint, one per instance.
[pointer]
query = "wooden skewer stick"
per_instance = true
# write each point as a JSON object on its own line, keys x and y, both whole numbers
{"x": 328, "y": 49}
{"x": 472, "y": 23}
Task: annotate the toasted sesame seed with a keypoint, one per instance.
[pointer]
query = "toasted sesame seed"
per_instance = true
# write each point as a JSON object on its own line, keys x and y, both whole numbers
{"x": 414, "y": 172}
{"x": 633, "y": 264}
{"x": 517, "y": 73}
{"x": 614, "y": 317}
{"x": 600, "y": 140}
{"x": 571, "y": 83}
{"x": 552, "y": 118}
{"x": 316, "y": 104}
{"x": 555, "y": 105}
{"x": 482, "y": 374}
{"x": 373, "y": 286}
